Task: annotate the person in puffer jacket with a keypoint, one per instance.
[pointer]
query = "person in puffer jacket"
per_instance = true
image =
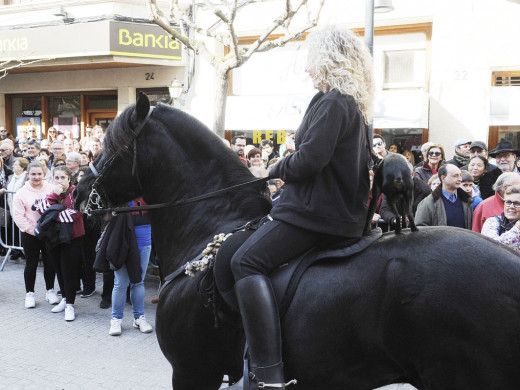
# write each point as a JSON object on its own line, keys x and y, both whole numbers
{"x": 26, "y": 218}
{"x": 66, "y": 256}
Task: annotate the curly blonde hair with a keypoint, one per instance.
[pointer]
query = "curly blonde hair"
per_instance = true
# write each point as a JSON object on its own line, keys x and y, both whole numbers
{"x": 338, "y": 58}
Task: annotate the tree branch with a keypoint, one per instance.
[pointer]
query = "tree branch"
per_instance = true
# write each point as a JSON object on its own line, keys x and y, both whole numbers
{"x": 20, "y": 63}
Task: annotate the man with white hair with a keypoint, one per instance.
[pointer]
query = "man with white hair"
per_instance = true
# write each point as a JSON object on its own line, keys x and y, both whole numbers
{"x": 73, "y": 161}
{"x": 6, "y": 152}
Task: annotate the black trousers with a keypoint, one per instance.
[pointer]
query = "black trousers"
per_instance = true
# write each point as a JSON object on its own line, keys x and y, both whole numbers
{"x": 88, "y": 275}
{"x": 273, "y": 244}
{"x": 66, "y": 259}
{"x": 32, "y": 247}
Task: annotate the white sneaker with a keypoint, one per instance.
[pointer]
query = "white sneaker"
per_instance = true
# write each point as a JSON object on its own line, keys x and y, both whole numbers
{"x": 141, "y": 324}
{"x": 115, "y": 327}
{"x": 69, "y": 313}
{"x": 51, "y": 297}
{"x": 60, "y": 307}
{"x": 29, "y": 300}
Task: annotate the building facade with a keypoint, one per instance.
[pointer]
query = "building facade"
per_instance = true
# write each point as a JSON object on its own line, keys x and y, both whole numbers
{"x": 444, "y": 70}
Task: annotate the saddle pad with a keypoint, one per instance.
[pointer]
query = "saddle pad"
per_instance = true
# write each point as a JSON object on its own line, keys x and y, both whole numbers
{"x": 286, "y": 278}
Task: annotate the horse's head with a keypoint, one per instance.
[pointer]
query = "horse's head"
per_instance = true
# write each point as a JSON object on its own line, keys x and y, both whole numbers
{"x": 113, "y": 174}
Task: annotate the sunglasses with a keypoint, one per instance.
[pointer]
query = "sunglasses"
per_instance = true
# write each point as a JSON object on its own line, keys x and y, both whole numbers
{"x": 434, "y": 153}
{"x": 59, "y": 164}
{"x": 378, "y": 144}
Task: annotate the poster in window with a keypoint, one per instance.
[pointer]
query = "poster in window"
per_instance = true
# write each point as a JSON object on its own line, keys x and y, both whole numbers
{"x": 23, "y": 123}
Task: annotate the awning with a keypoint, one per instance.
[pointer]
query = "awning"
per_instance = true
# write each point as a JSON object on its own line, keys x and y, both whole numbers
{"x": 393, "y": 109}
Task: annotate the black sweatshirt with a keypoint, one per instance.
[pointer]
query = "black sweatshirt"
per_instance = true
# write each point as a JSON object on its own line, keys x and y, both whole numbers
{"x": 327, "y": 181}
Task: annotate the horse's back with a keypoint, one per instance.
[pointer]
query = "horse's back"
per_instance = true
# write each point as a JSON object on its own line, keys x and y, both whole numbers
{"x": 439, "y": 308}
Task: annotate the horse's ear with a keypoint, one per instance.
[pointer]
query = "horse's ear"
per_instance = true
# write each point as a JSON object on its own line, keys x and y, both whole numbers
{"x": 142, "y": 107}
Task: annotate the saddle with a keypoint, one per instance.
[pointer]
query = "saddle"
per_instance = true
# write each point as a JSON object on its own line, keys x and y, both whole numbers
{"x": 286, "y": 277}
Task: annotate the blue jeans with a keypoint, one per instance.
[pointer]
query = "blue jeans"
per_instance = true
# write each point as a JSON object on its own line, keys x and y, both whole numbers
{"x": 121, "y": 282}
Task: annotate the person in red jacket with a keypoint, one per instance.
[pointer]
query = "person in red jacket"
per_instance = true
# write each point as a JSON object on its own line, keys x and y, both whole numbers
{"x": 494, "y": 205}
{"x": 66, "y": 256}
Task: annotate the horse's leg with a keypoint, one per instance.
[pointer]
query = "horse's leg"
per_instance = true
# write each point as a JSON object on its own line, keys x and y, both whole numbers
{"x": 199, "y": 353}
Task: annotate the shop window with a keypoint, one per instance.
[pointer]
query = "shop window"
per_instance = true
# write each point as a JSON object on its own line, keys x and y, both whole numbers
{"x": 254, "y": 137}
{"x": 405, "y": 139}
{"x": 26, "y": 111}
{"x": 510, "y": 133}
{"x": 65, "y": 114}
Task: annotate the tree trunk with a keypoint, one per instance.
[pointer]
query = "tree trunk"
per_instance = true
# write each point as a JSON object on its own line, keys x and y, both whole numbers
{"x": 221, "y": 90}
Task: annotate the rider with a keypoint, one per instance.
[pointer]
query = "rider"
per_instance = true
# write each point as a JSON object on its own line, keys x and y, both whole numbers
{"x": 326, "y": 191}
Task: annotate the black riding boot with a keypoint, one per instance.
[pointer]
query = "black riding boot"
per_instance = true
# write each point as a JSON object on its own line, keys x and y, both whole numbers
{"x": 261, "y": 323}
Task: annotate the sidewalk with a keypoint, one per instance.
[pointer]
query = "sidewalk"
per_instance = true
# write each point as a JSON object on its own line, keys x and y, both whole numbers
{"x": 40, "y": 350}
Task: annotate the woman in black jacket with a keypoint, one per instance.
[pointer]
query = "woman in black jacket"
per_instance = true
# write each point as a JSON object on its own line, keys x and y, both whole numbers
{"x": 326, "y": 190}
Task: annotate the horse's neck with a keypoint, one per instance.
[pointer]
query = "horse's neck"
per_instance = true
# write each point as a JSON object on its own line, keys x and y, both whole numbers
{"x": 182, "y": 236}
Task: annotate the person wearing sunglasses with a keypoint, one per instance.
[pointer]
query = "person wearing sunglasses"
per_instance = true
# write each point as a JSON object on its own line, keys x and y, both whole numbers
{"x": 379, "y": 146}
{"x": 5, "y": 134}
{"x": 505, "y": 228}
{"x": 434, "y": 160}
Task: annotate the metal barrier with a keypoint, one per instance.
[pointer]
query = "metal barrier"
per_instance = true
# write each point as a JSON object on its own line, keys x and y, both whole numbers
{"x": 10, "y": 235}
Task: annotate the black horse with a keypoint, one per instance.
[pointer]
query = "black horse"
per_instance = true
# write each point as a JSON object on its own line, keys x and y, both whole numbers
{"x": 438, "y": 308}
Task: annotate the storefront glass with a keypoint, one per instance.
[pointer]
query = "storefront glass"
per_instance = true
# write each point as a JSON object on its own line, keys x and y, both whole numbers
{"x": 405, "y": 139}
{"x": 510, "y": 133}
{"x": 65, "y": 114}
{"x": 26, "y": 111}
{"x": 281, "y": 139}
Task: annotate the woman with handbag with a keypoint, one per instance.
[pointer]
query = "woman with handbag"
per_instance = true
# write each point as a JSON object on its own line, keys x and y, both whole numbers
{"x": 67, "y": 251}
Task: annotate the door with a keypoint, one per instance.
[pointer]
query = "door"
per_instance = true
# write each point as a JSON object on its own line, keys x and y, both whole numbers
{"x": 103, "y": 119}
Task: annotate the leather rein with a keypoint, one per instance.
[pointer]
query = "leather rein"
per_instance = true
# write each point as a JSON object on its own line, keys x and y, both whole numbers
{"x": 96, "y": 200}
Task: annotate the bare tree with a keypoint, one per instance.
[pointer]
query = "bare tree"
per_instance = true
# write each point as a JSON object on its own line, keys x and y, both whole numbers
{"x": 7, "y": 65}
{"x": 226, "y": 12}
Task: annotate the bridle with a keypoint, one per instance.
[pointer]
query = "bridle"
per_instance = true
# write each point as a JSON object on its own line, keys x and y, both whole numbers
{"x": 95, "y": 198}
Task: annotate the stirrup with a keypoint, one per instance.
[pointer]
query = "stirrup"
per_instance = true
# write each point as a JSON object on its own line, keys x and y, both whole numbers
{"x": 263, "y": 385}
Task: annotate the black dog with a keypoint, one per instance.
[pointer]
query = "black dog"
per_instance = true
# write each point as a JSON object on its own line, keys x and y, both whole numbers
{"x": 393, "y": 178}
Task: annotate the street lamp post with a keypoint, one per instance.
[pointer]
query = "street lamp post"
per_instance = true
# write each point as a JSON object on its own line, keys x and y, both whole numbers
{"x": 372, "y": 6}
{"x": 176, "y": 88}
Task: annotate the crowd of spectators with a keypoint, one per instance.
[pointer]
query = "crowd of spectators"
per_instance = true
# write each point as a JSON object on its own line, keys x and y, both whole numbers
{"x": 477, "y": 189}
{"x": 37, "y": 179}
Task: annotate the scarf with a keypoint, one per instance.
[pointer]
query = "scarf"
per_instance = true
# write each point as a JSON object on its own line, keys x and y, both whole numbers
{"x": 505, "y": 224}
{"x": 462, "y": 160}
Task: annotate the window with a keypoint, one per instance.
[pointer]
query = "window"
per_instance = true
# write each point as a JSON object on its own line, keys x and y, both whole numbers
{"x": 65, "y": 113}
{"x": 506, "y": 79}
{"x": 155, "y": 95}
{"x": 404, "y": 69}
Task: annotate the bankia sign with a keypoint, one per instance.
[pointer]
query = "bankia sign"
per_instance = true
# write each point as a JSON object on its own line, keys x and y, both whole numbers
{"x": 142, "y": 40}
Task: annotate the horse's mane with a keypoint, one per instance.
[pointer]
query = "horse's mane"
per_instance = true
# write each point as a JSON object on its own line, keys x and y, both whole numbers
{"x": 118, "y": 139}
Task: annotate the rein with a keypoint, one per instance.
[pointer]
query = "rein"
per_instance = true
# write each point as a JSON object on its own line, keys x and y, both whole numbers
{"x": 118, "y": 210}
